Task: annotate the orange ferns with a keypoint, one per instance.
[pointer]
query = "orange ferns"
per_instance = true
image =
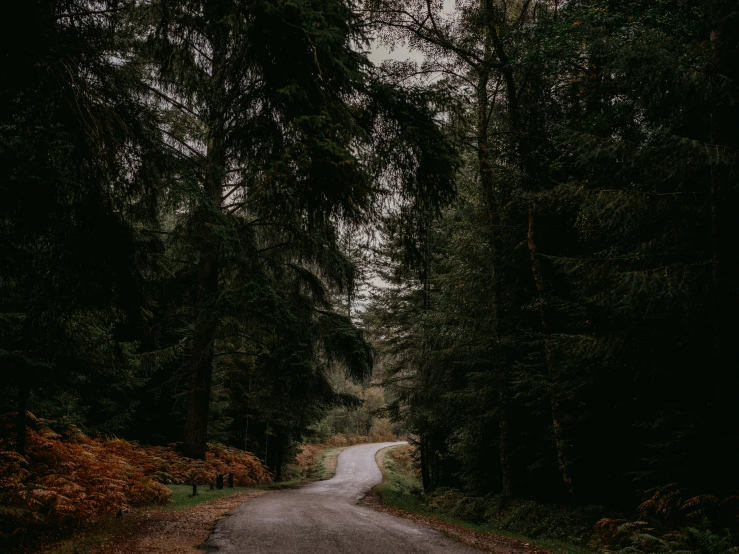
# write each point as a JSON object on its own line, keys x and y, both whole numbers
{"x": 70, "y": 479}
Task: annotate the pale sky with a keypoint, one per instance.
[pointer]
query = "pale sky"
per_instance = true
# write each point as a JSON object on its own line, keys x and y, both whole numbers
{"x": 379, "y": 53}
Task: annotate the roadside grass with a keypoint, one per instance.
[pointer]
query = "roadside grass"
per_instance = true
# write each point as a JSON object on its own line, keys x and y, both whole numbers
{"x": 328, "y": 461}
{"x": 401, "y": 489}
{"x": 182, "y": 498}
{"x": 318, "y": 465}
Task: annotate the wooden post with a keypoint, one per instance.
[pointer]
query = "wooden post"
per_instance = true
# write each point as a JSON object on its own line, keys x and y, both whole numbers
{"x": 230, "y": 480}
{"x": 219, "y": 481}
{"x": 194, "y": 488}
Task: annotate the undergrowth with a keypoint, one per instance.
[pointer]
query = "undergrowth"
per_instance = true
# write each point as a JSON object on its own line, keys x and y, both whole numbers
{"x": 673, "y": 520}
{"x": 669, "y": 521}
{"x": 67, "y": 480}
{"x": 401, "y": 489}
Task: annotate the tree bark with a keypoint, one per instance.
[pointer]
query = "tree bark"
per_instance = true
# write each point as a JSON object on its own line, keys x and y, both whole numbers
{"x": 425, "y": 477}
{"x": 719, "y": 298}
{"x": 560, "y": 445}
{"x": 492, "y": 206}
{"x": 20, "y": 422}
{"x": 278, "y": 457}
{"x": 493, "y": 44}
{"x": 201, "y": 368}
{"x": 206, "y": 284}
{"x": 520, "y": 151}
{"x": 505, "y": 461}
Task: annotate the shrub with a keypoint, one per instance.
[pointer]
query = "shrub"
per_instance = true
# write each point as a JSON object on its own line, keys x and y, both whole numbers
{"x": 68, "y": 479}
{"x": 673, "y": 520}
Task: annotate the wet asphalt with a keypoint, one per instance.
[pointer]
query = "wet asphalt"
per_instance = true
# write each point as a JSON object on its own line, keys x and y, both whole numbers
{"x": 324, "y": 517}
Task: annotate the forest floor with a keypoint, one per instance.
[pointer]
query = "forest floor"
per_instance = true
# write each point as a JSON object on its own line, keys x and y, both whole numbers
{"x": 181, "y": 526}
{"x": 397, "y": 496}
{"x": 159, "y": 532}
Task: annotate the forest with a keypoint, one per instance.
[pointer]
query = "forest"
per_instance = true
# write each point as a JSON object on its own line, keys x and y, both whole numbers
{"x": 225, "y": 229}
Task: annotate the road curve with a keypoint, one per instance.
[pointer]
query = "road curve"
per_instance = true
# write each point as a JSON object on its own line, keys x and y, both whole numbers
{"x": 324, "y": 517}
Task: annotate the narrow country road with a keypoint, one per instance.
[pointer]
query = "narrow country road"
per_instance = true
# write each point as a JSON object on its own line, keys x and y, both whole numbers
{"x": 324, "y": 517}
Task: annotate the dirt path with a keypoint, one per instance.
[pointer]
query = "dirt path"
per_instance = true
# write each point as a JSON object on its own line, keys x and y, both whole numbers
{"x": 325, "y": 517}
{"x": 174, "y": 532}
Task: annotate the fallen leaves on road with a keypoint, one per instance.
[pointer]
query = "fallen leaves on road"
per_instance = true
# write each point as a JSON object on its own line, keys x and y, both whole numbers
{"x": 475, "y": 539}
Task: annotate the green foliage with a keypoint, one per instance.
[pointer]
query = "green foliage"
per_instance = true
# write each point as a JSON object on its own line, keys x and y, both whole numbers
{"x": 361, "y": 414}
{"x": 182, "y": 497}
{"x": 79, "y": 157}
{"x": 563, "y": 331}
{"x": 191, "y": 193}
{"x": 178, "y": 180}
{"x": 556, "y": 528}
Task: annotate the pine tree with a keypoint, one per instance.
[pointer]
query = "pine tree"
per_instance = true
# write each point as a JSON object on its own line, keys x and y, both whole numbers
{"x": 79, "y": 156}
{"x": 269, "y": 104}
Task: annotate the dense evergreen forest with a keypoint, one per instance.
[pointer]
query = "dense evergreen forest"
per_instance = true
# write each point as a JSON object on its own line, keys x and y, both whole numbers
{"x": 565, "y": 330}
{"x": 540, "y": 202}
{"x": 179, "y": 182}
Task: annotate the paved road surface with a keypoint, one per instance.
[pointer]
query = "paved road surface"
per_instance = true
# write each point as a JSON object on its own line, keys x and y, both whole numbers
{"x": 324, "y": 517}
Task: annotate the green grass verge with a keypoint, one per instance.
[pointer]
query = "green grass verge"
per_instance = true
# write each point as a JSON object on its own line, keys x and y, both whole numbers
{"x": 327, "y": 463}
{"x": 181, "y": 498}
{"x": 401, "y": 488}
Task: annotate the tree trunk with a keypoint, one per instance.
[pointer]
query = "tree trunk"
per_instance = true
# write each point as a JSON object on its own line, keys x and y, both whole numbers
{"x": 206, "y": 284}
{"x": 521, "y": 149}
{"x": 425, "y": 477}
{"x": 719, "y": 296}
{"x": 201, "y": 368}
{"x": 20, "y": 422}
{"x": 437, "y": 479}
{"x": 562, "y": 459}
{"x": 492, "y": 206}
{"x": 505, "y": 461}
{"x": 278, "y": 457}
